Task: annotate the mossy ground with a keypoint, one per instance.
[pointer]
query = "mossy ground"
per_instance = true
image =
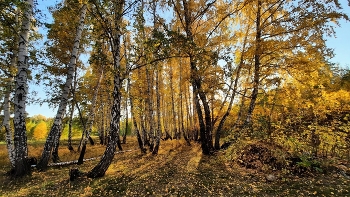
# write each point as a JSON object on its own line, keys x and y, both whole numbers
{"x": 178, "y": 170}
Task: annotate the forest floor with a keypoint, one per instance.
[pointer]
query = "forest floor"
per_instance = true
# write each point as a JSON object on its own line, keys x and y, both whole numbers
{"x": 178, "y": 170}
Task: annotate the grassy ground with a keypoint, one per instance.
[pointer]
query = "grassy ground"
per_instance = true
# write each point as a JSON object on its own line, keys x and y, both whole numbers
{"x": 178, "y": 170}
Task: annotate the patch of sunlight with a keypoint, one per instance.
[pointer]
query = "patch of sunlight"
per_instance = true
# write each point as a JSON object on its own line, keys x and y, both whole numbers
{"x": 116, "y": 168}
{"x": 193, "y": 163}
{"x": 23, "y": 192}
{"x": 87, "y": 192}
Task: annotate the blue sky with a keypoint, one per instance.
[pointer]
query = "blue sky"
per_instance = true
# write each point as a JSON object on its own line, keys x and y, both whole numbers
{"x": 340, "y": 44}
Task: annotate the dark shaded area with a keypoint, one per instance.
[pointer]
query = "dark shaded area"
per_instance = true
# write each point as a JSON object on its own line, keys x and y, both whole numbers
{"x": 74, "y": 173}
{"x": 254, "y": 156}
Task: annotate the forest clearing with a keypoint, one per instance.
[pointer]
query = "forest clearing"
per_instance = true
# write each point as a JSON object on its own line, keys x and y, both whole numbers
{"x": 177, "y": 170}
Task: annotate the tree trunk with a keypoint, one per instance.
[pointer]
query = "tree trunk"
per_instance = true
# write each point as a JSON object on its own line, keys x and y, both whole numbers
{"x": 55, "y": 129}
{"x": 90, "y": 120}
{"x": 149, "y": 102}
{"x": 181, "y": 118}
{"x": 257, "y": 55}
{"x": 6, "y": 124}
{"x": 55, "y": 157}
{"x": 101, "y": 129}
{"x": 7, "y": 104}
{"x": 21, "y": 167}
{"x": 173, "y": 125}
{"x": 138, "y": 134}
{"x": 7, "y": 108}
{"x": 84, "y": 126}
{"x": 205, "y": 125}
{"x": 70, "y": 147}
{"x": 126, "y": 111}
{"x": 100, "y": 169}
{"x": 157, "y": 137}
{"x": 234, "y": 90}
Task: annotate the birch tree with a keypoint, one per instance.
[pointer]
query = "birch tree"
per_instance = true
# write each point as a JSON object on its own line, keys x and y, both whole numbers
{"x": 113, "y": 31}
{"x": 21, "y": 90}
{"x": 91, "y": 118}
{"x": 9, "y": 35}
{"x": 57, "y": 125}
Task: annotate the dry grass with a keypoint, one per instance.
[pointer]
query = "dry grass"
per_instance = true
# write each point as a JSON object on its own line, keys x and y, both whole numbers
{"x": 178, "y": 170}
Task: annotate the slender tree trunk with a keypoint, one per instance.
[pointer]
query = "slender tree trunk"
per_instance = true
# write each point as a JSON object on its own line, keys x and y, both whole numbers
{"x": 149, "y": 102}
{"x": 70, "y": 147}
{"x": 157, "y": 137}
{"x": 101, "y": 131}
{"x": 70, "y": 122}
{"x": 6, "y": 122}
{"x": 181, "y": 118}
{"x": 234, "y": 90}
{"x": 7, "y": 108}
{"x": 126, "y": 111}
{"x": 188, "y": 121}
{"x": 90, "y": 120}
{"x": 82, "y": 122}
{"x": 257, "y": 55}
{"x": 195, "y": 118}
{"x": 138, "y": 134}
{"x": 101, "y": 168}
{"x": 144, "y": 132}
{"x": 56, "y": 127}
{"x": 173, "y": 122}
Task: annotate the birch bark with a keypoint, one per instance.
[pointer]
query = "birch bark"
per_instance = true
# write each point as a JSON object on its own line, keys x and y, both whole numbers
{"x": 57, "y": 125}
{"x": 100, "y": 169}
{"x": 21, "y": 90}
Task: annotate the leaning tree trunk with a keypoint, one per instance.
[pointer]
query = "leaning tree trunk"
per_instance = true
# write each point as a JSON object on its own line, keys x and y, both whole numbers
{"x": 57, "y": 124}
{"x": 21, "y": 90}
{"x": 100, "y": 169}
{"x": 70, "y": 147}
{"x": 90, "y": 120}
{"x": 234, "y": 90}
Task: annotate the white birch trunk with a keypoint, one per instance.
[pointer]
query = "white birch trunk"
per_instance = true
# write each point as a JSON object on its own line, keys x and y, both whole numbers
{"x": 6, "y": 124}
{"x": 21, "y": 90}
{"x": 56, "y": 127}
{"x": 7, "y": 105}
{"x": 91, "y": 118}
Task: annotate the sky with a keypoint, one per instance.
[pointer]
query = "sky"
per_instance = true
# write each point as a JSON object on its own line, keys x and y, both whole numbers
{"x": 340, "y": 44}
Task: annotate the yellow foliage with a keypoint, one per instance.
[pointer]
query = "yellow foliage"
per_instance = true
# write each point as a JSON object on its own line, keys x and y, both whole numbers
{"x": 40, "y": 131}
